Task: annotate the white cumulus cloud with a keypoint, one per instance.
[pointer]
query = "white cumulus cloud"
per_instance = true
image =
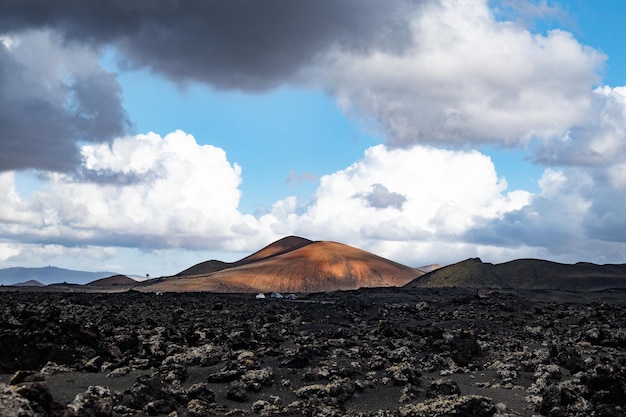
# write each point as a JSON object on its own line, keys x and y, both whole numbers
{"x": 470, "y": 78}
{"x": 442, "y": 193}
{"x": 141, "y": 191}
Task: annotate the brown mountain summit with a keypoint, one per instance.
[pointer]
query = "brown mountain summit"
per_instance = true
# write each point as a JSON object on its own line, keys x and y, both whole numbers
{"x": 283, "y": 245}
{"x": 531, "y": 274}
{"x": 292, "y": 264}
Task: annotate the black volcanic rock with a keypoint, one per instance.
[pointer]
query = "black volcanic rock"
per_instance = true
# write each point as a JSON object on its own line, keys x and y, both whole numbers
{"x": 44, "y": 333}
{"x": 40, "y": 399}
{"x": 441, "y": 387}
{"x": 376, "y": 352}
{"x": 452, "y": 406}
{"x": 13, "y": 404}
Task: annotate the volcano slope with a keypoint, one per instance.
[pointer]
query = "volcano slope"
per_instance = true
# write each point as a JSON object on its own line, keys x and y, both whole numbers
{"x": 284, "y": 245}
{"x": 291, "y": 265}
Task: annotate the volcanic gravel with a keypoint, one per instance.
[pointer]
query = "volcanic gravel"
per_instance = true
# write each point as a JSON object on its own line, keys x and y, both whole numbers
{"x": 375, "y": 352}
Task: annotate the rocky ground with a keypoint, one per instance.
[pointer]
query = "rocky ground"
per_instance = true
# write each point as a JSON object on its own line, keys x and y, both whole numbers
{"x": 421, "y": 352}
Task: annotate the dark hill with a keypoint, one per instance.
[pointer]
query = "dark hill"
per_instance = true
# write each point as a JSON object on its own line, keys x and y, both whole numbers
{"x": 206, "y": 267}
{"x": 525, "y": 274}
{"x": 115, "y": 280}
{"x": 30, "y": 283}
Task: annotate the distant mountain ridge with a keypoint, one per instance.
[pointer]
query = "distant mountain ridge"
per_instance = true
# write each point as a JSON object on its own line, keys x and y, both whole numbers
{"x": 533, "y": 274}
{"x": 29, "y": 283}
{"x": 295, "y": 264}
{"x": 49, "y": 275}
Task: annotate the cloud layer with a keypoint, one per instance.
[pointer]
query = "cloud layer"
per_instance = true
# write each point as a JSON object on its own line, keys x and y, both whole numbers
{"x": 158, "y": 193}
{"x": 433, "y": 72}
{"x": 427, "y": 74}
{"x": 398, "y": 201}
{"x": 468, "y": 78}
{"x": 142, "y": 191}
{"x": 229, "y": 44}
{"x": 46, "y": 110}
{"x": 415, "y": 205}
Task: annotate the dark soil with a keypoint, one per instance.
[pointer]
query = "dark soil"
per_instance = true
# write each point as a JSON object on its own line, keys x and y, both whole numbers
{"x": 375, "y": 352}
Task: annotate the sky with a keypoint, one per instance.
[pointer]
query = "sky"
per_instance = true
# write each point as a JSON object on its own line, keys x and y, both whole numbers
{"x": 143, "y": 137}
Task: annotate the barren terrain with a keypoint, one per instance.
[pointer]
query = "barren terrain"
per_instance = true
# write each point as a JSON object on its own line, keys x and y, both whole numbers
{"x": 374, "y": 352}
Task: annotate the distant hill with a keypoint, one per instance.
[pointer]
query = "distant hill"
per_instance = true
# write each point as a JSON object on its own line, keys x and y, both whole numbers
{"x": 115, "y": 280}
{"x": 49, "y": 275}
{"x": 525, "y": 274}
{"x": 292, "y": 264}
{"x": 30, "y": 283}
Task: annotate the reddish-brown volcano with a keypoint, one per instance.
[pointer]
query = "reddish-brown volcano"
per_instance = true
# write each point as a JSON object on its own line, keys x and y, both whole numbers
{"x": 283, "y": 245}
{"x": 295, "y": 265}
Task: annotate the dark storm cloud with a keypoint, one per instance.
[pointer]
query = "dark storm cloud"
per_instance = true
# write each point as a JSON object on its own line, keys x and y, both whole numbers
{"x": 242, "y": 44}
{"x": 606, "y": 217}
{"x": 522, "y": 227}
{"x": 113, "y": 177}
{"x": 234, "y": 44}
{"x": 42, "y": 118}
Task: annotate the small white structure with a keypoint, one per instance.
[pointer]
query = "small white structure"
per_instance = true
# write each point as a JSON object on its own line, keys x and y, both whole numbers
{"x": 260, "y": 296}
{"x": 277, "y": 295}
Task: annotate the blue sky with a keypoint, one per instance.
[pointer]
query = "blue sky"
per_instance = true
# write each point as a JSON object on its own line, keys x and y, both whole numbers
{"x": 270, "y": 134}
{"x": 425, "y": 132}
